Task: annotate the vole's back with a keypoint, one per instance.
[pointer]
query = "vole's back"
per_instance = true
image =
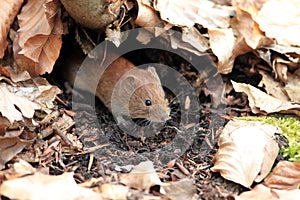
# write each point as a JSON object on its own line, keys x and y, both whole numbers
{"x": 126, "y": 87}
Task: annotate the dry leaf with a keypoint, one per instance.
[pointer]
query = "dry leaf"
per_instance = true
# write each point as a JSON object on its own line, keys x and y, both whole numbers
{"x": 183, "y": 189}
{"x": 188, "y": 42}
{"x": 39, "y": 38}
{"x": 291, "y": 55}
{"x": 182, "y": 13}
{"x": 262, "y": 192}
{"x": 14, "y": 107}
{"x": 37, "y": 90}
{"x": 18, "y": 169}
{"x": 142, "y": 177}
{"x": 187, "y": 13}
{"x": 249, "y": 30}
{"x": 251, "y": 6}
{"x": 280, "y": 19}
{"x": 247, "y": 151}
{"x": 261, "y": 102}
{"x": 195, "y": 39}
{"x": 8, "y": 71}
{"x": 222, "y": 42}
{"x": 110, "y": 191}
{"x": 272, "y": 87}
{"x": 41, "y": 186}
{"x": 292, "y": 87}
{"x": 285, "y": 176}
{"x": 8, "y": 11}
{"x": 147, "y": 16}
{"x": 11, "y": 145}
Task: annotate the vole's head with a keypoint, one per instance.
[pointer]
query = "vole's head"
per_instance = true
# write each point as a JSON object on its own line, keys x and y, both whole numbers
{"x": 148, "y": 98}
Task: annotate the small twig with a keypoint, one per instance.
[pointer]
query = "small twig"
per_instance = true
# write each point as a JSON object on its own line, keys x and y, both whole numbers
{"x": 182, "y": 169}
{"x": 91, "y": 160}
{"x": 62, "y": 135}
{"x": 61, "y": 101}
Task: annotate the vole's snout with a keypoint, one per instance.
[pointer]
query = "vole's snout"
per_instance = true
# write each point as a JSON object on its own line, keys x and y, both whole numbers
{"x": 159, "y": 113}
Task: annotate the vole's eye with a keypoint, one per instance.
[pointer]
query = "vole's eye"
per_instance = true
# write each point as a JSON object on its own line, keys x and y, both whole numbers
{"x": 148, "y": 102}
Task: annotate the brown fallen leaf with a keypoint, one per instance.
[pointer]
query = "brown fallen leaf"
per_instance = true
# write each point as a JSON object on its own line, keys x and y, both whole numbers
{"x": 288, "y": 92}
{"x": 110, "y": 191}
{"x": 14, "y": 107}
{"x": 147, "y": 16}
{"x": 262, "y": 192}
{"x": 248, "y": 29}
{"x": 142, "y": 177}
{"x": 8, "y": 71}
{"x": 183, "y": 189}
{"x": 272, "y": 87}
{"x": 247, "y": 151}
{"x": 285, "y": 176}
{"x": 222, "y": 42}
{"x": 263, "y": 103}
{"x": 18, "y": 169}
{"x": 40, "y": 186}
{"x": 11, "y": 145}
{"x": 37, "y": 90}
{"x": 280, "y": 19}
{"x": 39, "y": 39}
{"x": 190, "y": 40}
{"x": 292, "y": 87}
{"x": 8, "y": 12}
{"x": 187, "y": 13}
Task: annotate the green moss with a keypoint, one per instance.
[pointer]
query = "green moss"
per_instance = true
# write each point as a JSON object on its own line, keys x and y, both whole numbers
{"x": 290, "y": 129}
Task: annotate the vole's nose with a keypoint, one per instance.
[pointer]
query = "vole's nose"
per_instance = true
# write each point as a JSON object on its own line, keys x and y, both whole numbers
{"x": 158, "y": 113}
{"x": 165, "y": 116}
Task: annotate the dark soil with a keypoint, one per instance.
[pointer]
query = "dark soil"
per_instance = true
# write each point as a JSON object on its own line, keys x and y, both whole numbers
{"x": 111, "y": 147}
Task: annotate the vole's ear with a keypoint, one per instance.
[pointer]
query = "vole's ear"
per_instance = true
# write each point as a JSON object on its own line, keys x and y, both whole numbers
{"x": 153, "y": 72}
{"x": 131, "y": 82}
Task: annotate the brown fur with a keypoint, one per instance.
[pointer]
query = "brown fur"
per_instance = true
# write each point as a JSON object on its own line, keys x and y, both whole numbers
{"x": 123, "y": 88}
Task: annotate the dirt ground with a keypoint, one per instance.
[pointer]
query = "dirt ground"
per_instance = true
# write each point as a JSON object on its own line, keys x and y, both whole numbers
{"x": 109, "y": 146}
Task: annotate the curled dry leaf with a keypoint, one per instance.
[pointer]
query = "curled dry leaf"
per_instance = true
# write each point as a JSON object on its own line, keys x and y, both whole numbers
{"x": 18, "y": 169}
{"x": 38, "y": 43}
{"x": 289, "y": 92}
{"x": 222, "y": 42}
{"x": 262, "y": 192}
{"x": 249, "y": 30}
{"x": 190, "y": 40}
{"x": 23, "y": 169}
{"x": 41, "y": 186}
{"x": 37, "y": 90}
{"x": 147, "y": 16}
{"x": 14, "y": 107}
{"x": 292, "y": 87}
{"x": 110, "y": 191}
{"x": 183, "y": 189}
{"x": 261, "y": 102}
{"x": 194, "y": 38}
{"x": 8, "y": 12}
{"x": 272, "y": 87}
{"x": 11, "y": 145}
{"x": 8, "y": 71}
{"x": 142, "y": 177}
{"x": 187, "y": 13}
{"x": 247, "y": 151}
{"x": 280, "y": 19}
{"x": 285, "y": 176}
